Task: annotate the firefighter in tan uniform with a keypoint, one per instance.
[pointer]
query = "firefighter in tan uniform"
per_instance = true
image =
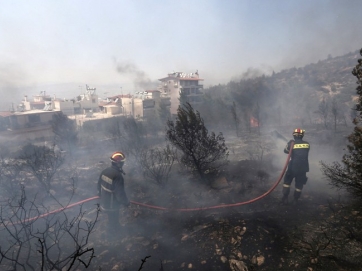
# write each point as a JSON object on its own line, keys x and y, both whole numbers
{"x": 111, "y": 190}
{"x": 298, "y": 165}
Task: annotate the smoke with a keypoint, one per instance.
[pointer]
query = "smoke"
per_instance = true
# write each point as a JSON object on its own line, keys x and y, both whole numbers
{"x": 141, "y": 80}
{"x": 312, "y": 36}
{"x": 11, "y": 79}
{"x": 250, "y": 73}
{"x": 324, "y": 146}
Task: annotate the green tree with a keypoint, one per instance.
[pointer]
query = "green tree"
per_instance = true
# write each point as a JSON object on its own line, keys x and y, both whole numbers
{"x": 349, "y": 175}
{"x": 163, "y": 112}
{"x": 203, "y": 153}
{"x": 183, "y": 99}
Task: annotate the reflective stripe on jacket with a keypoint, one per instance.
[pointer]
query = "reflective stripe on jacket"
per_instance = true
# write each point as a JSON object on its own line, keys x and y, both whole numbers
{"x": 111, "y": 187}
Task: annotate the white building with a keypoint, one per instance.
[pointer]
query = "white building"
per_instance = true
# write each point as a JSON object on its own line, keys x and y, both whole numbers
{"x": 188, "y": 83}
{"x": 125, "y": 105}
{"x": 86, "y": 102}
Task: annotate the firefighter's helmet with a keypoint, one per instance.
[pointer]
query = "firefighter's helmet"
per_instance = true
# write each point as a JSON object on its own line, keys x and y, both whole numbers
{"x": 298, "y": 132}
{"x": 118, "y": 158}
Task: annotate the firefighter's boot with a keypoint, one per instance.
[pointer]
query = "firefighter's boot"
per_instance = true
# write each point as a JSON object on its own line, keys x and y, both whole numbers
{"x": 284, "y": 200}
{"x": 286, "y": 189}
{"x": 297, "y": 194}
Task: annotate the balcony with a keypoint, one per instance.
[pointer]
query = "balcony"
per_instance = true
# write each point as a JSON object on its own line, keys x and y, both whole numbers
{"x": 192, "y": 86}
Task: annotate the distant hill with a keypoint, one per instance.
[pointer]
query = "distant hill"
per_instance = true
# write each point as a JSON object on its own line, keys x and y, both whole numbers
{"x": 290, "y": 96}
{"x": 331, "y": 76}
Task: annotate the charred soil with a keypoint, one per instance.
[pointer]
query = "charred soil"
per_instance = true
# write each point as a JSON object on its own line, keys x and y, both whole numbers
{"x": 262, "y": 239}
{"x": 257, "y": 236}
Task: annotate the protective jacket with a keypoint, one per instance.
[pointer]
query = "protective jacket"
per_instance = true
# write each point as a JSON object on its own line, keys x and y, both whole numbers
{"x": 111, "y": 189}
{"x": 299, "y": 158}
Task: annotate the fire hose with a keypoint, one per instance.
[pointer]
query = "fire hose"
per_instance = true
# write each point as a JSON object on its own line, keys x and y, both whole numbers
{"x": 175, "y": 209}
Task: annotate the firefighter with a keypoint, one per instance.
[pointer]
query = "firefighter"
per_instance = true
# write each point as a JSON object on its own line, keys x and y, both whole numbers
{"x": 298, "y": 166}
{"x": 111, "y": 190}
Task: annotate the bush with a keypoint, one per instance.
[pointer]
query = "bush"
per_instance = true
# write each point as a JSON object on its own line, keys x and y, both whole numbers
{"x": 202, "y": 153}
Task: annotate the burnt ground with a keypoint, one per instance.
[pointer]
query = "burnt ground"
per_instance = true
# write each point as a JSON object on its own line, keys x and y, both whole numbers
{"x": 264, "y": 235}
{"x": 257, "y": 236}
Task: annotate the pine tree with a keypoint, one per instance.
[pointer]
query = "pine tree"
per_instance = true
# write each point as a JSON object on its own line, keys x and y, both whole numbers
{"x": 348, "y": 175}
{"x": 204, "y": 153}
{"x": 183, "y": 99}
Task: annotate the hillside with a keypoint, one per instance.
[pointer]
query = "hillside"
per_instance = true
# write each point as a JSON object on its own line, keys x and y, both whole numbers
{"x": 297, "y": 96}
{"x": 331, "y": 76}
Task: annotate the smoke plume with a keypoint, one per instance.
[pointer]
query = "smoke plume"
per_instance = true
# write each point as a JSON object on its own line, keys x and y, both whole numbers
{"x": 140, "y": 79}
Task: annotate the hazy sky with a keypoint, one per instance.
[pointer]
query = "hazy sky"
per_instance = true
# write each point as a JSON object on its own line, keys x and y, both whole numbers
{"x": 120, "y": 43}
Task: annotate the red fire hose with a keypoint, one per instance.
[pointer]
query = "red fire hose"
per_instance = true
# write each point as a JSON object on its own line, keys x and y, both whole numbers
{"x": 224, "y": 205}
{"x": 177, "y": 209}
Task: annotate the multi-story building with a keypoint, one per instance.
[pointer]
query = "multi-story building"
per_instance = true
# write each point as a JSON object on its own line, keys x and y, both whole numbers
{"x": 27, "y": 125}
{"x": 82, "y": 104}
{"x": 187, "y": 83}
{"x": 38, "y": 102}
{"x": 125, "y": 105}
{"x": 86, "y": 102}
{"x": 64, "y": 105}
{"x": 142, "y": 105}
{"x": 152, "y": 100}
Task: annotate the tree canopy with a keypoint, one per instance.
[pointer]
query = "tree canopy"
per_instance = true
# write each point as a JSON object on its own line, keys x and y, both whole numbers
{"x": 348, "y": 175}
{"x": 202, "y": 152}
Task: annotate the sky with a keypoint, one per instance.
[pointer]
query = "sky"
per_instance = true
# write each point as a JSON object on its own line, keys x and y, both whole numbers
{"x": 126, "y": 46}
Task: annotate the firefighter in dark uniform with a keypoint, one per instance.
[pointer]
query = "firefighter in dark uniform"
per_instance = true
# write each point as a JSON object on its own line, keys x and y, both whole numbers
{"x": 111, "y": 190}
{"x": 298, "y": 166}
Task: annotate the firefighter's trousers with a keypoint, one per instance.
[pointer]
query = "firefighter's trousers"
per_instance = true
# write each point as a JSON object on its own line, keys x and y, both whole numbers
{"x": 300, "y": 181}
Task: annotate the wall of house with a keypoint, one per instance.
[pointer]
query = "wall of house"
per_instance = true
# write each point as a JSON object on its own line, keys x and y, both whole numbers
{"x": 173, "y": 89}
{"x": 127, "y": 106}
{"x": 149, "y": 113}
{"x": 89, "y": 102}
{"x": 26, "y": 120}
{"x": 67, "y": 107}
{"x": 27, "y": 105}
{"x": 137, "y": 108}
{"x": 112, "y": 110}
{"x": 46, "y": 117}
